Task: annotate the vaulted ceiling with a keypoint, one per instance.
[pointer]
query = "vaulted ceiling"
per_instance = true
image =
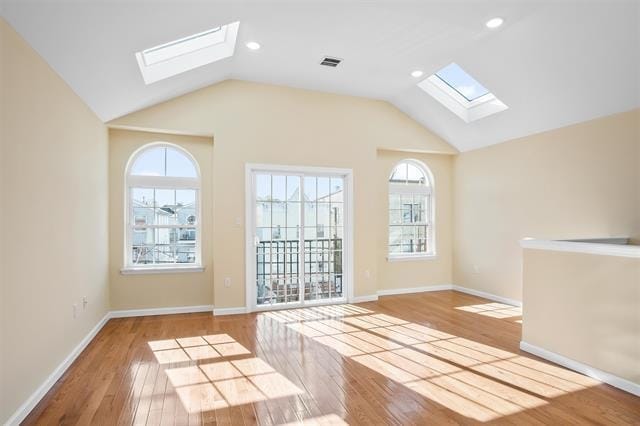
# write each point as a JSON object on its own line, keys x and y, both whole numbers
{"x": 552, "y": 62}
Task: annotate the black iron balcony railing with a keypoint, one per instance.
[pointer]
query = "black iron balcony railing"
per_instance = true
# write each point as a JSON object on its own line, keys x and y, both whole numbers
{"x": 278, "y": 272}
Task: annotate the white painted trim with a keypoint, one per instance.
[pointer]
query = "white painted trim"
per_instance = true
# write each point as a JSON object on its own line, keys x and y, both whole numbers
{"x": 230, "y": 311}
{"x": 489, "y": 296}
{"x": 422, "y": 289}
{"x": 26, "y": 407}
{"x": 603, "y": 376}
{"x": 349, "y": 229}
{"x": 165, "y": 182}
{"x": 307, "y": 304}
{"x": 407, "y": 258}
{"x": 33, "y": 400}
{"x": 249, "y": 237}
{"x": 607, "y": 249}
{"x": 161, "y": 270}
{"x": 161, "y": 311}
{"x": 161, "y": 181}
{"x": 362, "y": 299}
{"x": 24, "y": 410}
{"x": 430, "y": 210}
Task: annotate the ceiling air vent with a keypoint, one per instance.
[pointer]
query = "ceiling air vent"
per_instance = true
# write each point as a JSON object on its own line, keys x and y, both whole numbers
{"x": 330, "y": 62}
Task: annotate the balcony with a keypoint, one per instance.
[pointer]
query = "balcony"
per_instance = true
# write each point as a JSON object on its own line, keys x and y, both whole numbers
{"x": 279, "y": 273}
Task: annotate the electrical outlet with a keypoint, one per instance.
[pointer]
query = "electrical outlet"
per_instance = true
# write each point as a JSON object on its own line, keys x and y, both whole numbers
{"x": 75, "y": 310}
{"x": 476, "y": 269}
{"x": 367, "y": 274}
{"x": 85, "y": 302}
{"x": 227, "y": 282}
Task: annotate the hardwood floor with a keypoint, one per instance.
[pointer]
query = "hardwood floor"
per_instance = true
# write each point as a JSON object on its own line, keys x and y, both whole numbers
{"x": 430, "y": 358}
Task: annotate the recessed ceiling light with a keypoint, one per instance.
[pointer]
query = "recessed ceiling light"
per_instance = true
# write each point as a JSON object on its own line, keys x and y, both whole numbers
{"x": 253, "y": 45}
{"x": 416, "y": 73}
{"x": 494, "y": 22}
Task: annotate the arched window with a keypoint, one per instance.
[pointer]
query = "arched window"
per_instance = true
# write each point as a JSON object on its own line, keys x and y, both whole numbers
{"x": 163, "y": 208}
{"x": 411, "y": 211}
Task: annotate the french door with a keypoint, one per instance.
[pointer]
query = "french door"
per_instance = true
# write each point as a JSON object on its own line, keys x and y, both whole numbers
{"x": 297, "y": 251}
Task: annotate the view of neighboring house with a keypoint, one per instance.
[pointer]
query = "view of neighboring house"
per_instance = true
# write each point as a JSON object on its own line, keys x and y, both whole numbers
{"x": 158, "y": 244}
{"x": 278, "y": 259}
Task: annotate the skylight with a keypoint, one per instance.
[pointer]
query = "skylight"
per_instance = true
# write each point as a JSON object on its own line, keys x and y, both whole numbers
{"x": 461, "y": 82}
{"x": 461, "y": 94}
{"x": 184, "y": 45}
{"x": 178, "y": 56}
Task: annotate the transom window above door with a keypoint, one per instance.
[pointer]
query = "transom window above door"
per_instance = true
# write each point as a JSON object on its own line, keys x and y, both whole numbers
{"x": 411, "y": 211}
{"x": 163, "y": 213}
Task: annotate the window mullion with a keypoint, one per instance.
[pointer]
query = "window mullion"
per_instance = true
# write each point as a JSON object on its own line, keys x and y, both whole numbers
{"x": 410, "y": 236}
{"x": 175, "y": 235}
{"x": 153, "y": 231}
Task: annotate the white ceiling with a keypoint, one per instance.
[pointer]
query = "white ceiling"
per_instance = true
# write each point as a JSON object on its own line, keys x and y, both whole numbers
{"x": 553, "y": 62}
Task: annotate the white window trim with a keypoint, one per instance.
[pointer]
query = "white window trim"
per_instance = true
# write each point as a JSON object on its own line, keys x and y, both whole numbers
{"x": 398, "y": 188}
{"x": 162, "y": 182}
{"x": 161, "y": 270}
{"x": 411, "y": 257}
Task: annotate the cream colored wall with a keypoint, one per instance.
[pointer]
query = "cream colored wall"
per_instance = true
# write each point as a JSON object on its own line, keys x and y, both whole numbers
{"x": 581, "y": 181}
{"x": 416, "y": 273}
{"x": 584, "y": 307}
{"x": 256, "y": 123}
{"x": 157, "y": 290}
{"x": 54, "y": 224}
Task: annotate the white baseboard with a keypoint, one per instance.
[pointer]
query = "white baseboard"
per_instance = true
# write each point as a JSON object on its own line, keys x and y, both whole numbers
{"x": 393, "y": 291}
{"x": 489, "y": 296}
{"x": 161, "y": 311}
{"x": 33, "y": 400}
{"x": 230, "y": 311}
{"x": 603, "y": 376}
{"x": 440, "y": 287}
{"x": 361, "y": 299}
{"x": 35, "y": 397}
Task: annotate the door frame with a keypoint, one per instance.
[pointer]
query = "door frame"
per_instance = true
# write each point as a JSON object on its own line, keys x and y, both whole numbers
{"x": 250, "y": 272}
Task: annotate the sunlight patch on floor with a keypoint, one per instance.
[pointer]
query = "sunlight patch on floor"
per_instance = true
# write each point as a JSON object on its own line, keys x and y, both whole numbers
{"x": 478, "y": 381}
{"x": 493, "y": 310}
{"x": 221, "y": 384}
{"x": 315, "y": 313}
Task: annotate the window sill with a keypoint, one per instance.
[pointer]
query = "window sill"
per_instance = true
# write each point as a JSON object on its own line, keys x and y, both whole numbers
{"x": 408, "y": 258}
{"x": 162, "y": 270}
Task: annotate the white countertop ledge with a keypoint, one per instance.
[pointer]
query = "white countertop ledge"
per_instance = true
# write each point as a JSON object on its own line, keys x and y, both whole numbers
{"x": 601, "y": 246}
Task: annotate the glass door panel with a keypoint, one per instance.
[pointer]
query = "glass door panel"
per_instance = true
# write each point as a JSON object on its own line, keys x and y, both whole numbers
{"x": 324, "y": 230}
{"x": 299, "y": 231}
{"x": 277, "y": 229}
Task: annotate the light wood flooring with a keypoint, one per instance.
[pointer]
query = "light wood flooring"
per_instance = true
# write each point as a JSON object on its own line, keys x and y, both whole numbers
{"x": 430, "y": 358}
